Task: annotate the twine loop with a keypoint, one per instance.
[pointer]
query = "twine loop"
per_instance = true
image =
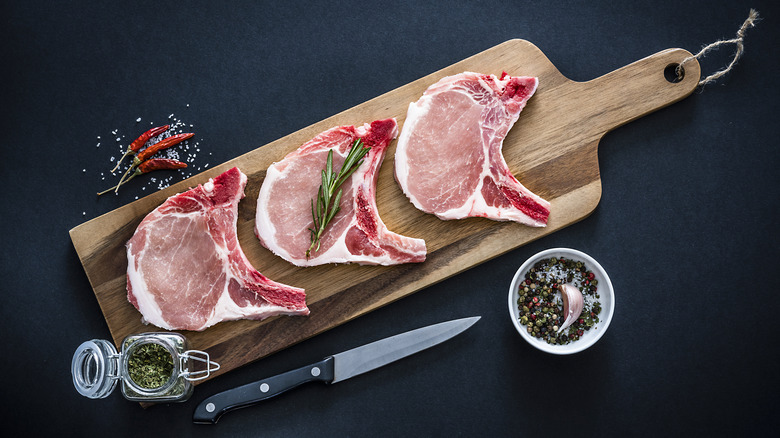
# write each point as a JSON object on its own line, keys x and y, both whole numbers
{"x": 739, "y": 41}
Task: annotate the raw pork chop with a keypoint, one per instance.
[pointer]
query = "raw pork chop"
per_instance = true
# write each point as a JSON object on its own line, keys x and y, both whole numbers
{"x": 449, "y": 162}
{"x": 356, "y": 233}
{"x": 186, "y": 269}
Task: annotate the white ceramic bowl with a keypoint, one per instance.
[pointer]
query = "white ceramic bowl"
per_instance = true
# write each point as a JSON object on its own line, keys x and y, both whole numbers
{"x": 606, "y": 297}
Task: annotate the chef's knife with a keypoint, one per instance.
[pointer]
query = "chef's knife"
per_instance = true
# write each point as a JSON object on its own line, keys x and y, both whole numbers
{"x": 332, "y": 369}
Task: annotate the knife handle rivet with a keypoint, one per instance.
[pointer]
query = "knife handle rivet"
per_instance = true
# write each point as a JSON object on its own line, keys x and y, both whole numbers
{"x": 210, "y": 407}
{"x": 315, "y": 371}
{"x": 264, "y": 387}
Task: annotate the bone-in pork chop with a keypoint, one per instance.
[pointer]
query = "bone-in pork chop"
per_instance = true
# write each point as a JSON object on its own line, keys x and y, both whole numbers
{"x": 449, "y": 162}
{"x": 186, "y": 269}
{"x": 356, "y": 234}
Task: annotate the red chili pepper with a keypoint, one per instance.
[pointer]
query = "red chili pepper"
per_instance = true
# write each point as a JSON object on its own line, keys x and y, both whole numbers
{"x": 139, "y": 142}
{"x": 149, "y": 166}
{"x": 153, "y": 149}
{"x": 160, "y": 145}
{"x": 160, "y": 164}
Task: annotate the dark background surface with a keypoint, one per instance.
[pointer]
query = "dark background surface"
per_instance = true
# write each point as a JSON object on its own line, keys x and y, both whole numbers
{"x": 686, "y": 227}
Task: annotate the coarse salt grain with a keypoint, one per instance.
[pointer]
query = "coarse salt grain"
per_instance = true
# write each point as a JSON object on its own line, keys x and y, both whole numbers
{"x": 137, "y": 120}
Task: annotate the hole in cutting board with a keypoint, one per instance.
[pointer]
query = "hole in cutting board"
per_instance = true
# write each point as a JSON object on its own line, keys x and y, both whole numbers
{"x": 670, "y": 73}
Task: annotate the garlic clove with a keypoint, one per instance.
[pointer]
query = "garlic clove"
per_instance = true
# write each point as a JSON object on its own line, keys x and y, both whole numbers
{"x": 572, "y": 304}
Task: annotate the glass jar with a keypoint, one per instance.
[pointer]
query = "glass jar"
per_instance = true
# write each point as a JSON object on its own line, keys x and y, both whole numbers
{"x": 97, "y": 368}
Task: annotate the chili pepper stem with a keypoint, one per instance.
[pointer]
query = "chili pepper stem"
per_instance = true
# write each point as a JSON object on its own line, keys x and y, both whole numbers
{"x": 146, "y": 167}
{"x": 116, "y": 187}
{"x": 122, "y": 180}
{"x": 129, "y": 152}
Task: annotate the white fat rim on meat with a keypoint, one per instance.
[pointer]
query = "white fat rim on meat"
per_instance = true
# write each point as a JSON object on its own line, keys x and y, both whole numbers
{"x": 264, "y": 228}
{"x": 148, "y": 307}
{"x": 417, "y": 110}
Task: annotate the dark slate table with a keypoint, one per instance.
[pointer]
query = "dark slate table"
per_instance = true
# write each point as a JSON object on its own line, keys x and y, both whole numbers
{"x": 686, "y": 227}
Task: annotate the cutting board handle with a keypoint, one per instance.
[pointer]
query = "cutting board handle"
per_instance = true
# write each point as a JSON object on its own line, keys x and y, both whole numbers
{"x": 637, "y": 89}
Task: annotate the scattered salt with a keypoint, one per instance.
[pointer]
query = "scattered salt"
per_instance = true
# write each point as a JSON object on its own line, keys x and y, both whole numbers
{"x": 185, "y": 152}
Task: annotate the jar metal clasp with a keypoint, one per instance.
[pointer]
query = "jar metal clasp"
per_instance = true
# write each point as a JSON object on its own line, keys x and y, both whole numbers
{"x": 196, "y": 356}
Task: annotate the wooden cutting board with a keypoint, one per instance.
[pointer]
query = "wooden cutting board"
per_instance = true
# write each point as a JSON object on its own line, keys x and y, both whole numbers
{"x": 552, "y": 149}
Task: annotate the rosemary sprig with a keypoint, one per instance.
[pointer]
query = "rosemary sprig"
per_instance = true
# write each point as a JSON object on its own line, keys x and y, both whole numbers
{"x": 328, "y": 205}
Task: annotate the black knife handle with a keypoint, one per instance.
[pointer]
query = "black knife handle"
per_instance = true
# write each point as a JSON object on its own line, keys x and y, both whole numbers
{"x": 209, "y": 410}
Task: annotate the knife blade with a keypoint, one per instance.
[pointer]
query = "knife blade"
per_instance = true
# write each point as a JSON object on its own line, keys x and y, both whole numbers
{"x": 332, "y": 369}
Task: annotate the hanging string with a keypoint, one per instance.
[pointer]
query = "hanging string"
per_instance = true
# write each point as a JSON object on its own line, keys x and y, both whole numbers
{"x": 750, "y": 22}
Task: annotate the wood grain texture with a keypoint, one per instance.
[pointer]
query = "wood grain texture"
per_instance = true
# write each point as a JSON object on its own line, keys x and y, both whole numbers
{"x": 552, "y": 149}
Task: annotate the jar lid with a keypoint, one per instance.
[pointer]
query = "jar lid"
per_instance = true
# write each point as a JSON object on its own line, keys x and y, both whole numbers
{"x": 94, "y": 368}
